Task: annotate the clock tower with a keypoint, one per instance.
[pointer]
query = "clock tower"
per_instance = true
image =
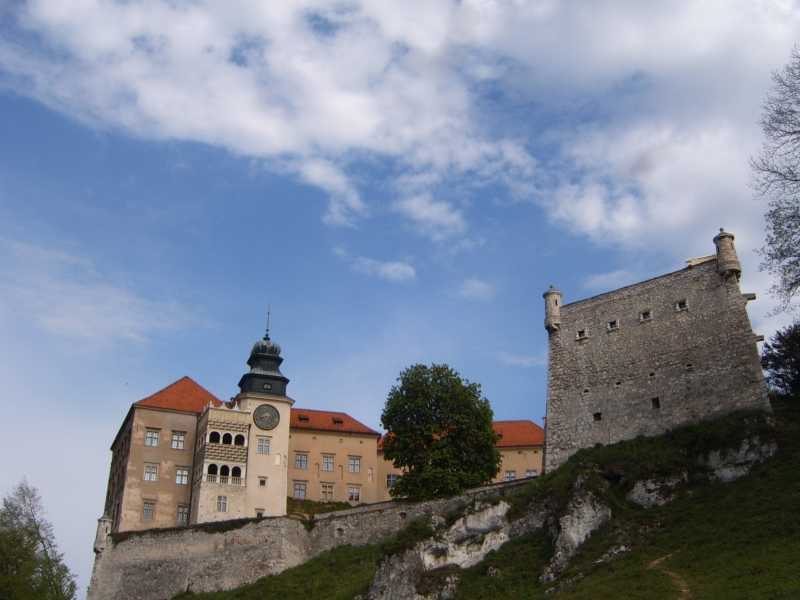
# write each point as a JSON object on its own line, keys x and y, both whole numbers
{"x": 263, "y": 395}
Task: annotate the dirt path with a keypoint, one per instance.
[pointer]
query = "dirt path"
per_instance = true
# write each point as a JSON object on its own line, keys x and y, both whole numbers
{"x": 677, "y": 580}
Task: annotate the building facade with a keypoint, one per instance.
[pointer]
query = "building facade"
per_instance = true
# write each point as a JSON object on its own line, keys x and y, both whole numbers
{"x": 182, "y": 456}
{"x": 647, "y": 357}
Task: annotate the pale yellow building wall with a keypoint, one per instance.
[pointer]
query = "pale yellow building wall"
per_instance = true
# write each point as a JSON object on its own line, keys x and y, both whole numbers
{"x": 341, "y": 445}
{"x": 385, "y": 467}
{"x": 520, "y": 460}
{"x": 165, "y": 492}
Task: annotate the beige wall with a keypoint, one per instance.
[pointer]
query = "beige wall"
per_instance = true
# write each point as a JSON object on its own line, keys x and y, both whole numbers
{"x": 165, "y": 492}
{"x": 520, "y": 460}
{"x": 385, "y": 467}
{"x": 314, "y": 444}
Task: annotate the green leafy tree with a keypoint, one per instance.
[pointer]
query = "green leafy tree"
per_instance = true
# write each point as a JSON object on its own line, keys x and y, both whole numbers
{"x": 781, "y": 360}
{"x": 777, "y": 180}
{"x": 439, "y": 431}
{"x": 30, "y": 564}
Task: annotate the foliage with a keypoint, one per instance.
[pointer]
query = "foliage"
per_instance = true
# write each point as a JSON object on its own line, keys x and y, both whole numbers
{"x": 417, "y": 530}
{"x": 30, "y": 564}
{"x": 777, "y": 179}
{"x": 311, "y": 507}
{"x": 781, "y": 360}
{"x": 339, "y": 574}
{"x": 439, "y": 431}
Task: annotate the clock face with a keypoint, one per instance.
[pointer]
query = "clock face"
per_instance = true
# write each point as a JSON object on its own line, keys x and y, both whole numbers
{"x": 266, "y": 416}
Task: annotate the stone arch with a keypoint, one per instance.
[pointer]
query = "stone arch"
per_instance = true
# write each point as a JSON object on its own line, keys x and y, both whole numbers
{"x": 213, "y": 438}
{"x": 227, "y": 439}
{"x": 238, "y": 440}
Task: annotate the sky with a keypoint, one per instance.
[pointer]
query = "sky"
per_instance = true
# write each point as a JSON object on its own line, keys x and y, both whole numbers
{"x": 399, "y": 181}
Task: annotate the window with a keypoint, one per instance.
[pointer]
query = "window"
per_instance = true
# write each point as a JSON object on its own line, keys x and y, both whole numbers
{"x": 303, "y": 418}
{"x": 327, "y": 492}
{"x": 582, "y": 334}
{"x": 338, "y": 421}
{"x": 182, "y": 475}
{"x": 227, "y": 439}
{"x": 327, "y": 462}
{"x": 646, "y": 315}
{"x": 299, "y": 489}
{"x": 239, "y": 440}
{"x": 391, "y": 480}
{"x": 301, "y": 461}
{"x": 598, "y": 416}
{"x": 262, "y": 482}
{"x": 681, "y": 305}
{"x": 183, "y": 514}
{"x": 214, "y": 437}
{"x": 259, "y": 513}
{"x": 613, "y": 325}
{"x": 148, "y": 510}
{"x": 178, "y": 440}
{"x": 222, "y": 504}
{"x": 151, "y": 437}
{"x": 353, "y": 464}
{"x": 511, "y": 475}
{"x": 689, "y": 367}
{"x": 262, "y": 446}
{"x": 655, "y": 403}
{"x": 354, "y": 493}
{"x": 224, "y": 473}
{"x": 531, "y": 473}
{"x": 150, "y": 472}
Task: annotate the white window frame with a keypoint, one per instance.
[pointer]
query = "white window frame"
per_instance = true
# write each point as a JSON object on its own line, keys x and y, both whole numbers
{"x": 353, "y": 464}
{"x": 222, "y": 504}
{"x": 299, "y": 485}
{"x": 328, "y": 460}
{"x": 354, "y": 493}
{"x": 178, "y": 440}
{"x": 152, "y": 437}
{"x": 183, "y": 511}
{"x": 150, "y": 471}
{"x": 327, "y": 491}
{"x": 301, "y": 461}
{"x": 263, "y": 445}
{"x": 531, "y": 473}
{"x": 151, "y": 504}
{"x": 391, "y": 480}
{"x": 511, "y": 475}
{"x": 182, "y": 475}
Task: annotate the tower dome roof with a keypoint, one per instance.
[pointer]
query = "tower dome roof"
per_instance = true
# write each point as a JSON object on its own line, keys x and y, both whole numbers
{"x": 266, "y": 346}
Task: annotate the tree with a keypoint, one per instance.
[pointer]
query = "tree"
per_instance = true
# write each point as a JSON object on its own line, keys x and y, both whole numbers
{"x": 777, "y": 179}
{"x": 439, "y": 431}
{"x": 30, "y": 564}
{"x": 781, "y": 360}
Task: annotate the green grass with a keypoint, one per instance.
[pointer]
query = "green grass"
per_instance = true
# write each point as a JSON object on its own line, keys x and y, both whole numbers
{"x": 311, "y": 508}
{"x": 339, "y": 574}
{"x": 723, "y": 541}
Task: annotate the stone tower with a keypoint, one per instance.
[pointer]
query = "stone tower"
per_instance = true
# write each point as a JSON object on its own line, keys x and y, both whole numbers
{"x": 650, "y": 356}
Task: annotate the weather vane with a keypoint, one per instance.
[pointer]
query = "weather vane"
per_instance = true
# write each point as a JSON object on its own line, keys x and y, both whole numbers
{"x": 269, "y": 310}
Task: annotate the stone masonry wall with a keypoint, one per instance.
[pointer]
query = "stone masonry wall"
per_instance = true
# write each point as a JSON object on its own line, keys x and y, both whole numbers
{"x": 155, "y": 565}
{"x": 698, "y": 362}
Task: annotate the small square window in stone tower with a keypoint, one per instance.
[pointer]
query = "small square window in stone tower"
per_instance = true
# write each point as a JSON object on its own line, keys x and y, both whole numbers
{"x": 655, "y": 403}
{"x": 613, "y": 325}
{"x": 598, "y": 416}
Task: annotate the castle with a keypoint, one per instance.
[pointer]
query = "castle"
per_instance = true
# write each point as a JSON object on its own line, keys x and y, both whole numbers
{"x": 639, "y": 360}
{"x": 648, "y": 357}
{"x": 182, "y": 456}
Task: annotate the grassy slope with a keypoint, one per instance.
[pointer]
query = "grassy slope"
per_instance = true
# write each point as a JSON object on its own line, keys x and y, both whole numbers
{"x": 721, "y": 541}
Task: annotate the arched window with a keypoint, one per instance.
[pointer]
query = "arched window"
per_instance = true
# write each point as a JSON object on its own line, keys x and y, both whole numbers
{"x": 227, "y": 439}
{"x": 214, "y": 437}
{"x": 212, "y": 473}
{"x": 224, "y": 471}
{"x": 236, "y": 472}
{"x": 239, "y": 441}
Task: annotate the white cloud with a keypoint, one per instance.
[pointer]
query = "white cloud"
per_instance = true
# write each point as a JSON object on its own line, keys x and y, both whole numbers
{"x": 64, "y": 294}
{"x": 522, "y": 360}
{"x": 609, "y": 281}
{"x": 396, "y": 271}
{"x": 437, "y": 219}
{"x": 476, "y": 289}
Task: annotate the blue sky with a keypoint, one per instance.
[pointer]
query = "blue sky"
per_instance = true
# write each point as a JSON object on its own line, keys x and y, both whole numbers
{"x": 400, "y": 182}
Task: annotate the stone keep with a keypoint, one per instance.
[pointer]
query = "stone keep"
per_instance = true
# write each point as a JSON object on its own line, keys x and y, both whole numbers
{"x": 648, "y": 357}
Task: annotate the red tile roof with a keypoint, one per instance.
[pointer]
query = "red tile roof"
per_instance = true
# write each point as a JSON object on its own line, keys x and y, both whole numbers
{"x": 185, "y": 395}
{"x": 512, "y": 434}
{"x": 518, "y": 433}
{"x": 324, "y": 420}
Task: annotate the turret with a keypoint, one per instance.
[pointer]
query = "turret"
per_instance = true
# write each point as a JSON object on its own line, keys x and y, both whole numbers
{"x": 727, "y": 261}
{"x": 552, "y": 309}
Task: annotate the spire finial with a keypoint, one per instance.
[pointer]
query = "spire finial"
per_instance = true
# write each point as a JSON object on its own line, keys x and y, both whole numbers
{"x": 269, "y": 310}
